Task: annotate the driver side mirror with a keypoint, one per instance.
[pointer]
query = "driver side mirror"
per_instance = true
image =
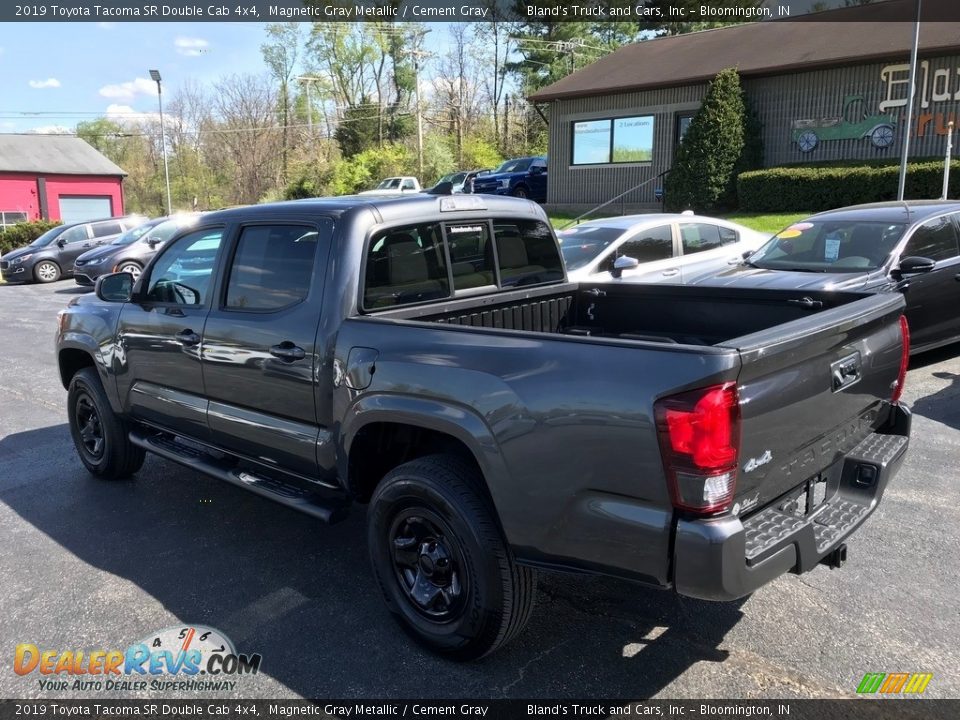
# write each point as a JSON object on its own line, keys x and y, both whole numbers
{"x": 915, "y": 265}
{"x": 152, "y": 241}
{"x": 61, "y": 242}
{"x": 115, "y": 287}
{"x": 622, "y": 263}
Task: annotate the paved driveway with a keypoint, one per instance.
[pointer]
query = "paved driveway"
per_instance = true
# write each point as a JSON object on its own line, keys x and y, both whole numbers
{"x": 89, "y": 564}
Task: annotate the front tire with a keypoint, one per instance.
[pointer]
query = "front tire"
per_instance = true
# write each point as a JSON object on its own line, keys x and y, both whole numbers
{"x": 445, "y": 571}
{"x": 100, "y": 437}
{"x": 520, "y": 192}
{"x": 134, "y": 268}
{"x": 46, "y": 271}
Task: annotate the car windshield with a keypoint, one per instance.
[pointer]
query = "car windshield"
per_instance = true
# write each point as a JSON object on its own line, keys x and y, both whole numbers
{"x": 581, "y": 245}
{"x": 445, "y": 178}
{"x": 515, "y": 165}
{"x": 48, "y": 237}
{"x": 830, "y": 246}
{"x": 389, "y": 183}
{"x": 164, "y": 231}
{"x": 131, "y": 236}
{"x": 457, "y": 178}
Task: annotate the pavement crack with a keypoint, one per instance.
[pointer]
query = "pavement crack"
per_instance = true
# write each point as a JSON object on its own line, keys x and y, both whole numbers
{"x": 522, "y": 671}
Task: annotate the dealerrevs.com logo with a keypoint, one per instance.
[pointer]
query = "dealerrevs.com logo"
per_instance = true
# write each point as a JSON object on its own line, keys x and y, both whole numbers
{"x": 178, "y": 658}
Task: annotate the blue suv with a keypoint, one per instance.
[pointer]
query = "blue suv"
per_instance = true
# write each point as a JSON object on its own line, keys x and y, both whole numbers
{"x": 522, "y": 177}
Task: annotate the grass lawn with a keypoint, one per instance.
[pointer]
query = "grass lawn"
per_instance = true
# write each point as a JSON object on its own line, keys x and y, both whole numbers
{"x": 760, "y": 222}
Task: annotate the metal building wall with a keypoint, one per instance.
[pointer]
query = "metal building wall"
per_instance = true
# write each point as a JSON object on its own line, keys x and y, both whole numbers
{"x": 778, "y": 100}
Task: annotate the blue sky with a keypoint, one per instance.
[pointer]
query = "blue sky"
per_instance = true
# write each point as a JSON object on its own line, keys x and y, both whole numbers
{"x": 78, "y": 71}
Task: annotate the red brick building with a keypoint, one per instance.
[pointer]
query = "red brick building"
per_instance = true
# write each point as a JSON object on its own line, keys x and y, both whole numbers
{"x": 56, "y": 177}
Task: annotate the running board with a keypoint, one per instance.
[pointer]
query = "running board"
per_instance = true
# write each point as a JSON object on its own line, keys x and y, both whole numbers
{"x": 329, "y": 510}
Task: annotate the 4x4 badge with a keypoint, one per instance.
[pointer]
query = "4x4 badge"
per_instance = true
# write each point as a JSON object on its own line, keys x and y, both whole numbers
{"x": 754, "y": 463}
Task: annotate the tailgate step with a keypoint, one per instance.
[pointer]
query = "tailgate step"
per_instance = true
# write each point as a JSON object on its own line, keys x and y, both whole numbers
{"x": 329, "y": 509}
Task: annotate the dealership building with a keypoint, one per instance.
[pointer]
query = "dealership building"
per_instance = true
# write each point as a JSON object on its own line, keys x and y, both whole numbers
{"x": 56, "y": 177}
{"x": 832, "y": 87}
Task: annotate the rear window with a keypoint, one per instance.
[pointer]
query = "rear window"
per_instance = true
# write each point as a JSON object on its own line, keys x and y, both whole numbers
{"x": 527, "y": 254}
{"x": 111, "y": 227}
{"x": 406, "y": 266}
{"x": 471, "y": 255}
{"x": 272, "y": 267}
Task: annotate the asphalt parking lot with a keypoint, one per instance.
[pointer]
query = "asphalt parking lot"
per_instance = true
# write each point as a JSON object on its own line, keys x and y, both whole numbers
{"x": 91, "y": 564}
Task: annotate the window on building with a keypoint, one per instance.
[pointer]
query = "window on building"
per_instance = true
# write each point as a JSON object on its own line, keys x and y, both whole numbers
{"x": 272, "y": 267}
{"x": 613, "y": 140}
{"x": 10, "y": 217}
{"x": 683, "y": 124}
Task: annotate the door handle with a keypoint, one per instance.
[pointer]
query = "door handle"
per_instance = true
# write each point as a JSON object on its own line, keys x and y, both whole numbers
{"x": 288, "y": 352}
{"x": 187, "y": 338}
{"x": 957, "y": 277}
{"x": 671, "y": 272}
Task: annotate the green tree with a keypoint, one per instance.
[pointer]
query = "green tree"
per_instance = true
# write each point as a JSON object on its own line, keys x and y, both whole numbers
{"x": 359, "y": 128}
{"x": 703, "y": 169}
{"x": 280, "y": 54}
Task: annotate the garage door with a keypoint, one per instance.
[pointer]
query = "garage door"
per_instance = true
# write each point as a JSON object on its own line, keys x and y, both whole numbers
{"x": 78, "y": 209}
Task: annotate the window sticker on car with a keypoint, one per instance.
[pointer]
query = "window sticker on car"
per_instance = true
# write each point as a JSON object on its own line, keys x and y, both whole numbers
{"x": 789, "y": 233}
{"x": 831, "y": 247}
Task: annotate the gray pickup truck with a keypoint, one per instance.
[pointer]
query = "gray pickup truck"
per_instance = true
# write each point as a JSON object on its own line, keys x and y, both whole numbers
{"x": 426, "y": 356}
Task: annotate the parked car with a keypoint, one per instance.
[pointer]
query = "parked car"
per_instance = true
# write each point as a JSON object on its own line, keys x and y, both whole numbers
{"x": 522, "y": 178}
{"x": 131, "y": 251}
{"x": 428, "y": 357}
{"x": 665, "y": 246}
{"x": 51, "y": 256}
{"x": 461, "y": 182}
{"x": 395, "y": 186}
{"x": 912, "y": 247}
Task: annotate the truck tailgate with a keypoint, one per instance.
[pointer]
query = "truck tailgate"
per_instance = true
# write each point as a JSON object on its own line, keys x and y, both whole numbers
{"x": 810, "y": 391}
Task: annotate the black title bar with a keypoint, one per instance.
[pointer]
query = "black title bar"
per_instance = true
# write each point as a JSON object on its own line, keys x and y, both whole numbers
{"x": 649, "y": 12}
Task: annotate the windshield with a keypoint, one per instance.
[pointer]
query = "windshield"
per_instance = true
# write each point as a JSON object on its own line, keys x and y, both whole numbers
{"x": 165, "y": 230}
{"x": 848, "y": 246}
{"x": 48, "y": 237}
{"x": 581, "y": 245}
{"x": 458, "y": 178}
{"x": 515, "y": 165}
{"x": 389, "y": 183}
{"x": 445, "y": 178}
{"x": 131, "y": 236}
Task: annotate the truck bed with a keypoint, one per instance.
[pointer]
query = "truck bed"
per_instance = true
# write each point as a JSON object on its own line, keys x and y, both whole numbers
{"x": 699, "y": 316}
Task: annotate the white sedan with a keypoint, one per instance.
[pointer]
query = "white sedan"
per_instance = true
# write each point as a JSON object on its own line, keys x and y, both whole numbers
{"x": 665, "y": 247}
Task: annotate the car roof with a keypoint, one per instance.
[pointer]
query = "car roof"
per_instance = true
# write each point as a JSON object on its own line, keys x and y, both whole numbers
{"x": 97, "y": 220}
{"x": 909, "y": 211}
{"x": 626, "y": 222}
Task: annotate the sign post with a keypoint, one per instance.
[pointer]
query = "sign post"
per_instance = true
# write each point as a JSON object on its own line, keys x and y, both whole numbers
{"x": 946, "y": 162}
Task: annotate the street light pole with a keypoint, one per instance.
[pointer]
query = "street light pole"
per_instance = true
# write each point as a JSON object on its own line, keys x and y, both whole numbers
{"x": 155, "y": 76}
{"x": 901, "y": 187}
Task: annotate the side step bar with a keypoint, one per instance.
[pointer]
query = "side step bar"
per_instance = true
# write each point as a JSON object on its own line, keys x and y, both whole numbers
{"x": 328, "y": 509}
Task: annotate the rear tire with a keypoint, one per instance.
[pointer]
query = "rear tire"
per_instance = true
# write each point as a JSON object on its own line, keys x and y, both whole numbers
{"x": 442, "y": 564}
{"x": 46, "y": 271}
{"x": 100, "y": 437}
{"x": 520, "y": 192}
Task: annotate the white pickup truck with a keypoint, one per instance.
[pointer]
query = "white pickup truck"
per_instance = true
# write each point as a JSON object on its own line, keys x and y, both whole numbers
{"x": 395, "y": 186}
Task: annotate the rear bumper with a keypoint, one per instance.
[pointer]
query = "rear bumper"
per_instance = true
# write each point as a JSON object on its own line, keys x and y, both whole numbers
{"x": 726, "y": 558}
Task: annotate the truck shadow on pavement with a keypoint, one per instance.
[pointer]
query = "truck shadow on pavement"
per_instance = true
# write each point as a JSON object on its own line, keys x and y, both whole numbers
{"x": 941, "y": 406}
{"x": 301, "y": 594}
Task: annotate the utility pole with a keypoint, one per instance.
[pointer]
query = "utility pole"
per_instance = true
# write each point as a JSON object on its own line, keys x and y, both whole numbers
{"x": 155, "y": 76}
{"x": 946, "y": 164}
{"x": 308, "y": 80}
{"x": 901, "y": 187}
{"x": 417, "y": 54}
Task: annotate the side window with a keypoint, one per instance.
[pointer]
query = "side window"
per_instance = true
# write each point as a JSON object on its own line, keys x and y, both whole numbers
{"x": 728, "y": 236}
{"x": 471, "y": 255}
{"x": 106, "y": 228}
{"x": 74, "y": 234}
{"x": 649, "y": 245}
{"x": 405, "y": 266}
{"x": 935, "y": 239}
{"x": 183, "y": 274}
{"x": 527, "y": 253}
{"x": 272, "y": 267}
{"x": 698, "y": 237}
{"x": 407, "y": 185}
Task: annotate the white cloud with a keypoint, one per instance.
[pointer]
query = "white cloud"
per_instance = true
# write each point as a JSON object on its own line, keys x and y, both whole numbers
{"x": 48, "y": 83}
{"x": 126, "y": 114}
{"x": 49, "y": 130}
{"x": 191, "y": 46}
{"x": 106, "y": 25}
{"x": 129, "y": 90}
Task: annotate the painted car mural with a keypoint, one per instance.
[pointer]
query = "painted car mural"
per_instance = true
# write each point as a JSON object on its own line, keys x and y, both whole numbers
{"x": 852, "y": 124}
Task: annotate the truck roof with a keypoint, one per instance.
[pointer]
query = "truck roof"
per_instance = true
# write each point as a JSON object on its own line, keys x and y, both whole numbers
{"x": 392, "y": 207}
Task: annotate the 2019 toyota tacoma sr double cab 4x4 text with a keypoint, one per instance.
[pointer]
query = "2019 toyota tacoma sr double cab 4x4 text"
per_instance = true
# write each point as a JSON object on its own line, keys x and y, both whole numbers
{"x": 427, "y": 357}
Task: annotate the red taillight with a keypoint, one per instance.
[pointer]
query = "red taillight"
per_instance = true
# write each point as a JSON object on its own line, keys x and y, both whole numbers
{"x": 904, "y": 360}
{"x": 699, "y": 439}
